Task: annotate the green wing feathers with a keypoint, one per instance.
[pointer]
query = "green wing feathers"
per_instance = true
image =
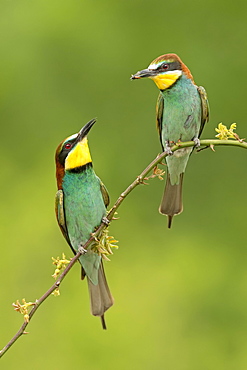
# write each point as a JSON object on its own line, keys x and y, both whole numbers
{"x": 159, "y": 115}
{"x": 204, "y": 106}
{"x": 105, "y": 194}
{"x": 59, "y": 208}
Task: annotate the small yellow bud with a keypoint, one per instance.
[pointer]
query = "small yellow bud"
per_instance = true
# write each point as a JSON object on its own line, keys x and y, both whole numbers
{"x": 157, "y": 172}
{"x": 104, "y": 244}
{"x": 56, "y": 292}
{"x": 224, "y": 133}
{"x": 60, "y": 265}
{"x": 23, "y": 308}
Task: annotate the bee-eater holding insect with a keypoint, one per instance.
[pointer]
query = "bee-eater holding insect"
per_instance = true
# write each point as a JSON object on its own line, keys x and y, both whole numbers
{"x": 81, "y": 202}
{"x": 181, "y": 113}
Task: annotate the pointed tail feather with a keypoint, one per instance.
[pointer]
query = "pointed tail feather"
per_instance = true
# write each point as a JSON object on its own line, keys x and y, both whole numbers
{"x": 103, "y": 322}
{"x": 171, "y": 203}
{"x": 100, "y": 296}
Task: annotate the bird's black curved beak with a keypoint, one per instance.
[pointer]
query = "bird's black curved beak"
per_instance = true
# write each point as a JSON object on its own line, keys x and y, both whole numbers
{"x": 144, "y": 73}
{"x": 85, "y": 130}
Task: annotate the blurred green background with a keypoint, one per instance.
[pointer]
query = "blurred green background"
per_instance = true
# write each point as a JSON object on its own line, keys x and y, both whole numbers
{"x": 180, "y": 294}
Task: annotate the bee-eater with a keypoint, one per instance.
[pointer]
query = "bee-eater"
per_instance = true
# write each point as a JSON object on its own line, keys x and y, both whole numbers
{"x": 81, "y": 202}
{"x": 181, "y": 112}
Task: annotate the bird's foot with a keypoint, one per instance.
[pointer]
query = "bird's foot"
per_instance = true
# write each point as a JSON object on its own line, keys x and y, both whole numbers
{"x": 81, "y": 249}
{"x": 167, "y": 148}
{"x": 197, "y": 142}
{"x": 105, "y": 221}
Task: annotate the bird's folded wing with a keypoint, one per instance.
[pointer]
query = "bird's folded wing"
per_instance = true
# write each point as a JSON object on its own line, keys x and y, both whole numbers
{"x": 205, "y": 107}
{"x": 59, "y": 207}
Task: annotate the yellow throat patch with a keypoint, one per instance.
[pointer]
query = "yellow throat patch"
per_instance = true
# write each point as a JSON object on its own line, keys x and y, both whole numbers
{"x": 165, "y": 80}
{"x": 78, "y": 156}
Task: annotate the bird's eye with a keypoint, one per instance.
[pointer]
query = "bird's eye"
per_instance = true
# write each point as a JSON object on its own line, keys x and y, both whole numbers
{"x": 164, "y": 66}
{"x": 67, "y": 146}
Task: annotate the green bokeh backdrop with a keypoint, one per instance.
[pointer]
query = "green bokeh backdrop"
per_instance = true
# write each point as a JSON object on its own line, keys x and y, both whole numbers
{"x": 180, "y": 294}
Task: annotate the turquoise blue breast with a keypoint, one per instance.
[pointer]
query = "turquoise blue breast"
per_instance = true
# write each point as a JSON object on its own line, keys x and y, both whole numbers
{"x": 84, "y": 208}
{"x": 182, "y": 111}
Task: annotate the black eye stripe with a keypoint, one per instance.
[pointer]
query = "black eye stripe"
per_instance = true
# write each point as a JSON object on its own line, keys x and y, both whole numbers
{"x": 67, "y": 146}
{"x": 171, "y": 66}
{"x": 65, "y": 150}
{"x": 164, "y": 66}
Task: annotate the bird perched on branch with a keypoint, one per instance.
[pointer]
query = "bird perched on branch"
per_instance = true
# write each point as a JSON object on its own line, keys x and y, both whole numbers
{"x": 181, "y": 112}
{"x": 81, "y": 202}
